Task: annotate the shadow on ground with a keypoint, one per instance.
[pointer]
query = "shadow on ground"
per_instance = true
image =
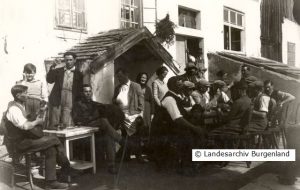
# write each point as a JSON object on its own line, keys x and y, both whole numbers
{"x": 136, "y": 176}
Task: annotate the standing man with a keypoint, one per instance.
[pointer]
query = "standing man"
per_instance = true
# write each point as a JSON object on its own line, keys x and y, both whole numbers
{"x": 190, "y": 73}
{"x": 246, "y": 77}
{"x": 260, "y": 110}
{"x": 67, "y": 87}
{"x": 130, "y": 98}
{"x": 19, "y": 132}
{"x": 280, "y": 97}
{"x": 245, "y": 72}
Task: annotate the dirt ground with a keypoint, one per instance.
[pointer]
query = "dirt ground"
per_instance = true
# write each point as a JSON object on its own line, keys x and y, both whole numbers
{"x": 137, "y": 176}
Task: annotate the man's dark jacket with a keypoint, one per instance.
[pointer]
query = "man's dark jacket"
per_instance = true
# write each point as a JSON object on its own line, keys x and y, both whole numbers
{"x": 56, "y": 76}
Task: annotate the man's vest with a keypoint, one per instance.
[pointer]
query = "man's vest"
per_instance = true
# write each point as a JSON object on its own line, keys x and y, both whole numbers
{"x": 14, "y": 133}
{"x": 162, "y": 122}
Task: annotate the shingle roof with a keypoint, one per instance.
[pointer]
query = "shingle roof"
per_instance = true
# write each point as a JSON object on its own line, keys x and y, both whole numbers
{"x": 108, "y": 45}
{"x": 267, "y": 64}
{"x": 100, "y": 43}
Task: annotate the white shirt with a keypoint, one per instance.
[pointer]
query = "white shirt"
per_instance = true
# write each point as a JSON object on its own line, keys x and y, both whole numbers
{"x": 225, "y": 97}
{"x": 202, "y": 99}
{"x": 264, "y": 103}
{"x": 15, "y": 115}
{"x": 122, "y": 98}
{"x": 36, "y": 89}
{"x": 170, "y": 104}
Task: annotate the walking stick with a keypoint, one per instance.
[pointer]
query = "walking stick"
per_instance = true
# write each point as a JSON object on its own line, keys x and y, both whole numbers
{"x": 122, "y": 159}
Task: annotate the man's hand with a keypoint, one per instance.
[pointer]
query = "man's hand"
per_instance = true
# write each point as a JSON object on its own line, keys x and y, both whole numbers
{"x": 54, "y": 64}
{"x": 39, "y": 120}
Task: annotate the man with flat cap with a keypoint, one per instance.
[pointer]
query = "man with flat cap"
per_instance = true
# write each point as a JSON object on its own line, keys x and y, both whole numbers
{"x": 190, "y": 73}
{"x": 200, "y": 95}
{"x": 238, "y": 117}
{"x": 188, "y": 88}
{"x": 240, "y": 108}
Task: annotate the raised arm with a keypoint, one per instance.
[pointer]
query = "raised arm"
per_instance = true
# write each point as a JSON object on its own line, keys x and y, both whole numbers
{"x": 285, "y": 97}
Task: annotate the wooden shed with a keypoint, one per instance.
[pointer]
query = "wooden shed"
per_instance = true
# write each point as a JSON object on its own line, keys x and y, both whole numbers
{"x": 137, "y": 50}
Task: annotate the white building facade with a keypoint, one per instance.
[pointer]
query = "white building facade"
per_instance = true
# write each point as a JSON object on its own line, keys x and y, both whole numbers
{"x": 204, "y": 26}
{"x": 32, "y": 31}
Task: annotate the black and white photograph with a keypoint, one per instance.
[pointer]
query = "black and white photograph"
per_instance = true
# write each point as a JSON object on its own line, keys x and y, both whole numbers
{"x": 150, "y": 94}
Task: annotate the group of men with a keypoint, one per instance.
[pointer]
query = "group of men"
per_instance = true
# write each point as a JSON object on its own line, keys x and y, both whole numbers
{"x": 174, "y": 122}
{"x": 70, "y": 103}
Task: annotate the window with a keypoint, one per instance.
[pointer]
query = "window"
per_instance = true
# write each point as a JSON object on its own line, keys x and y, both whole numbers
{"x": 130, "y": 13}
{"x": 291, "y": 48}
{"x": 189, "y": 18}
{"x": 185, "y": 46}
{"x": 71, "y": 14}
{"x": 233, "y": 29}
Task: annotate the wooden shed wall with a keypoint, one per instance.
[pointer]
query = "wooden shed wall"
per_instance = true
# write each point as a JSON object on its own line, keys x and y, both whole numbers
{"x": 272, "y": 14}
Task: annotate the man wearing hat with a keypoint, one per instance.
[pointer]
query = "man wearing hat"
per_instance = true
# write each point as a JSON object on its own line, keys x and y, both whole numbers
{"x": 240, "y": 109}
{"x": 200, "y": 72}
{"x": 218, "y": 94}
{"x": 190, "y": 73}
{"x": 188, "y": 88}
{"x": 200, "y": 95}
{"x": 260, "y": 103}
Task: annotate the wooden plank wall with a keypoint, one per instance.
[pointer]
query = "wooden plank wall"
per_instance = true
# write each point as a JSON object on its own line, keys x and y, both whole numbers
{"x": 272, "y": 14}
{"x": 271, "y": 29}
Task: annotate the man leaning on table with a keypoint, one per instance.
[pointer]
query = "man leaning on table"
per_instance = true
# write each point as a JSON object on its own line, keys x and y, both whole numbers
{"x": 18, "y": 129}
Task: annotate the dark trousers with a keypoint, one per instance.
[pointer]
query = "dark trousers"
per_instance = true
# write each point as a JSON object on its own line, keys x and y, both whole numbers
{"x": 53, "y": 150}
{"x": 184, "y": 140}
{"x": 110, "y": 136}
{"x": 164, "y": 140}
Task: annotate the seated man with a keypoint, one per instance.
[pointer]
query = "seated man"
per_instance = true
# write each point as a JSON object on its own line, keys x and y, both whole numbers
{"x": 188, "y": 101}
{"x": 170, "y": 121}
{"x": 18, "y": 130}
{"x": 200, "y": 95}
{"x": 238, "y": 117}
{"x": 89, "y": 113}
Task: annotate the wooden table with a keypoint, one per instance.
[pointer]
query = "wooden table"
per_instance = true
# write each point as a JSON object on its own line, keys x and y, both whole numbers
{"x": 73, "y": 133}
